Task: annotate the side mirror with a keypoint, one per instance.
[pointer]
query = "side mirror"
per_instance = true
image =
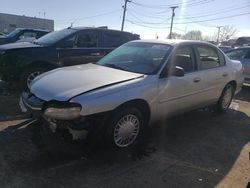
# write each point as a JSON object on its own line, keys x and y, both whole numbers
{"x": 177, "y": 71}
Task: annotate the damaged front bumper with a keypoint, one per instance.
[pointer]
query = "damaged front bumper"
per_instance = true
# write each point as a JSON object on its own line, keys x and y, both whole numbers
{"x": 77, "y": 128}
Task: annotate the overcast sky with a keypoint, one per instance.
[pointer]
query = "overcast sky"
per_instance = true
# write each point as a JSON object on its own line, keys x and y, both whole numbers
{"x": 145, "y": 17}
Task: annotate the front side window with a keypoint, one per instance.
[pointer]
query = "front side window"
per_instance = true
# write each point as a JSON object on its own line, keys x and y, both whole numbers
{"x": 184, "y": 58}
{"x": 138, "y": 57}
{"x": 27, "y": 35}
{"x": 87, "y": 40}
{"x": 55, "y": 37}
{"x": 208, "y": 57}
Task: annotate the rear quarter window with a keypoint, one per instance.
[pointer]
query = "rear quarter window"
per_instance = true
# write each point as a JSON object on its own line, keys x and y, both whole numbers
{"x": 115, "y": 39}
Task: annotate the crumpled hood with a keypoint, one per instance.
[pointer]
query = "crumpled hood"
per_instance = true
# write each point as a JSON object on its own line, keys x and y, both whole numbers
{"x": 17, "y": 45}
{"x": 64, "y": 83}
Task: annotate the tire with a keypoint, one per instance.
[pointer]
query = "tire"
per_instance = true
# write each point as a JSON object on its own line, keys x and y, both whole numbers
{"x": 124, "y": 128}
{"x": 29, "y": 75}
{"x": 225, "y": 98}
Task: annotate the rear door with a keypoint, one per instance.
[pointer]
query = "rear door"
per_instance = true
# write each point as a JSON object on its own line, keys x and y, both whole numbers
{"x": 80, "y": 48}
{"x": 214, "y": 73}
{"x": 179, "y": 94}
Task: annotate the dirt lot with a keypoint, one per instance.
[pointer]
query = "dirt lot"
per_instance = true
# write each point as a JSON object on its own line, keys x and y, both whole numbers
{"x": 197, "y": 149}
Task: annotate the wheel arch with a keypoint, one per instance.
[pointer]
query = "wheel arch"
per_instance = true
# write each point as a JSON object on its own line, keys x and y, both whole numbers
{"x": 233, "y": 83}
{"x": 141, "y": 104}
{"x": 41, "y": 63}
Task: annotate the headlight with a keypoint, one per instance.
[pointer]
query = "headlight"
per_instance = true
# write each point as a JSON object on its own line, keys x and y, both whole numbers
{"x": 65, "y": 111}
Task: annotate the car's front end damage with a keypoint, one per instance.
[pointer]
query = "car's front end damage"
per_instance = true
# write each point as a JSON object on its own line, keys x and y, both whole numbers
{"x": 78, "y": 107}
{"x": 61, "y": 117}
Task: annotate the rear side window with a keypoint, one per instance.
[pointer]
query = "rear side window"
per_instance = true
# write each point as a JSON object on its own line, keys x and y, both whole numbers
{"x": 87, "y": 40}
{"x": 208, "y": 57}
{"x": 114, "y": 39}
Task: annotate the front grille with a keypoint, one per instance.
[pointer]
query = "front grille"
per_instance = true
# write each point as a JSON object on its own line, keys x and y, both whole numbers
{"x": 31, "y": 101}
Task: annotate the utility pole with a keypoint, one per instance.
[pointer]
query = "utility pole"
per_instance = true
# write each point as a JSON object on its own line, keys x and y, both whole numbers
{"x": 218, "y": 36}
{"x": 173, "y": 14}
{"x": 124, "y": 12}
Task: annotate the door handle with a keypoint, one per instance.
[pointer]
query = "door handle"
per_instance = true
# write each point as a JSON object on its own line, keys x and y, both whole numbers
{"x": 95, "y": 54}
{"x": 196, "y": 80}
{"x": 225, "y": 74}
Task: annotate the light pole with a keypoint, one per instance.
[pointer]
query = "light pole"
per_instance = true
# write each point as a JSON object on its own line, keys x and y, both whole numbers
{"x": 218, "y": 36}
{"x": 172, "y": 19}
{"x": 124, "y": 13}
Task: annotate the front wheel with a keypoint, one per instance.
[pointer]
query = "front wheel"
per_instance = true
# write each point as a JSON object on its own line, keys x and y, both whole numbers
{"x": 125, "y": 127}
{"x": 225, "y": 98}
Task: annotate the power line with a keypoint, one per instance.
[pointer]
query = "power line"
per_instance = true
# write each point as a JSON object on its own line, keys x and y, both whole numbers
{"x": 200, "y": 21}
{"x": 188, "y": 3}
{"x": 220, "y": 18}
{"x": 89, "y": 17}
{"x": 215, "y": 13}
{"x": 142, "y": 25}
{"x": 220, "y": 10}
{"x": 144, "y": 22}
{"x": 149, "y": 14}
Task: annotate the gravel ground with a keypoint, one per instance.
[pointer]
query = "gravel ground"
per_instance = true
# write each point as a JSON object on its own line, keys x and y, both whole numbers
{"x": 197, "y": 149}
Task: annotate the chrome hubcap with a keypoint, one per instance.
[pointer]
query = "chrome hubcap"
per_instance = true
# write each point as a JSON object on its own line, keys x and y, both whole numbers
{"x": 227, "y": 98}
{"x": 32, "y": 76}
{"x": 126, "y": 130}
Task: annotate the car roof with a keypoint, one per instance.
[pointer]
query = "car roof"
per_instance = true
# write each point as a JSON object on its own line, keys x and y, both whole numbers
{"x": 245, "y": 47}
{"x": 43, "y": 30}
{"x": 99, "y": 28}
{"x": 174, "y": 42}
{"x": 239, "y": 48}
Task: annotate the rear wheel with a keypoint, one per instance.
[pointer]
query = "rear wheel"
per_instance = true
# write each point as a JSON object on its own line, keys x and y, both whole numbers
{"x": 225, "y": 98}
{"x": 125, "y": 127}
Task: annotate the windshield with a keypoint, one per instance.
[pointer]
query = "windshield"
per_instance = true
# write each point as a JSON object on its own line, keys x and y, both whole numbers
{"x": 13, "y": 33}
{"x": 236, "y": 54}
{"x": 144, "y": 58}
{"x": 54, "y": 37}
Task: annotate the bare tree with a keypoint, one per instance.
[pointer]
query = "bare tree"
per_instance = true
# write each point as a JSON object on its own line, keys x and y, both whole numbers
{"x": 175, "y": 36}
{"x": 193, "y": 35}
{"x": 227, "y": 32}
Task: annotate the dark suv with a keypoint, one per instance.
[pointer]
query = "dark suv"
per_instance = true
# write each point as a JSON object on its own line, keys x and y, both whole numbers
{"x": 22, "y": 62}
{"x": 22, "y": 34}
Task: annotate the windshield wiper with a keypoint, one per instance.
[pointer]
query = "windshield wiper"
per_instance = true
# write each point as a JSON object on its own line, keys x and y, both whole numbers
{"x": 114, "y": 66}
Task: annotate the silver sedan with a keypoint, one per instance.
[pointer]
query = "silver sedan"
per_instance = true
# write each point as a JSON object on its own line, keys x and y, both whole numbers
{"x": 137, "y": 84}
{"x": 243, "y": 55}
